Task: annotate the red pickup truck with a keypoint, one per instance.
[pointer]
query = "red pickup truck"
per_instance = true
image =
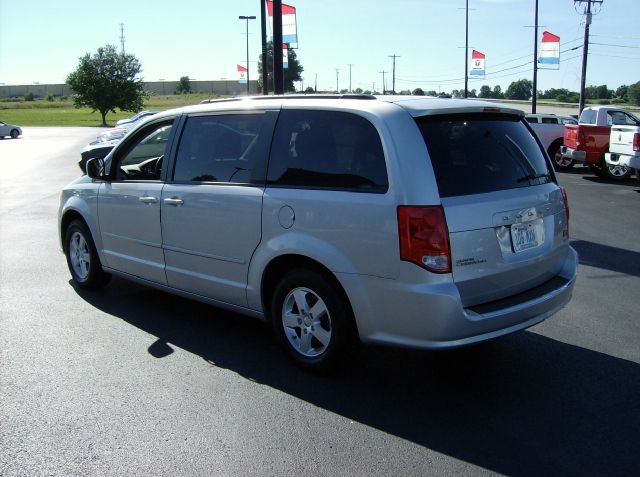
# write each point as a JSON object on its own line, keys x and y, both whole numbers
{"x": 588, "y": 141}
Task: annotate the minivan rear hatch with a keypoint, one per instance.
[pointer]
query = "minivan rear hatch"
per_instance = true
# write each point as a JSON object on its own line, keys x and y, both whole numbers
{"x": 505, "y": 214}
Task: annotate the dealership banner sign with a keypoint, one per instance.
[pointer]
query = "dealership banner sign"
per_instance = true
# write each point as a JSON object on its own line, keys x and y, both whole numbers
{"x": 289, "y": 27}
{"x": 477, "y": 63}
{"x": 285, "y": 56}
{"x": 549, "y": 50}
{"x": 242, "y": 71}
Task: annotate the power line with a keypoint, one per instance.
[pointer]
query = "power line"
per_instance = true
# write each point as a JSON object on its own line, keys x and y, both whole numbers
{"x": 617, "y": 46}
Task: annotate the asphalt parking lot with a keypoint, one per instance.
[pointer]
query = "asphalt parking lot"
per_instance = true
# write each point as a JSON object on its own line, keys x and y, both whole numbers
{"x": 133, "y": 381}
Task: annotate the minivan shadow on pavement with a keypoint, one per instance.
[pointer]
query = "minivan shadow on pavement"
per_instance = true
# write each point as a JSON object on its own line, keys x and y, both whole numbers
{"x": 523, "y": 405}
{"x": 607, "y": 257}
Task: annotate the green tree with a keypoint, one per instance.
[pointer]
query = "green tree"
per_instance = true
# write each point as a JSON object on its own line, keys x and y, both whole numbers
{"x": 497, "y": 92}
{"x": 184, "y": 85}
{"x": 418, "y": 92}
{"x": 472, "y": 94}
{"x": 622, "y": 92}
{"x": 291, "y": 74}
{"x": 106, "y": 81}
{"x": 520, "y": 89}
{"x": 633, "y": 93}
{"x": 485, "y": 91}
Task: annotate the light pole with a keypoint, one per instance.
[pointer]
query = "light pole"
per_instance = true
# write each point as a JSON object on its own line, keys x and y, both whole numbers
{"x": 247, "y": 18}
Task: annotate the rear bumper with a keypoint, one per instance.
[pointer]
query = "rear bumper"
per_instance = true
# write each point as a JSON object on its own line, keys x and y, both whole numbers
{"x": 622, "y": 160}
{"x": 573, "y": 154}
{"x": 431, "y": 316}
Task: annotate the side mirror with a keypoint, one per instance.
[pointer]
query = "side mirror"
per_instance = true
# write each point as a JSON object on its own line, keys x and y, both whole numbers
{"x": 95, "y": 168}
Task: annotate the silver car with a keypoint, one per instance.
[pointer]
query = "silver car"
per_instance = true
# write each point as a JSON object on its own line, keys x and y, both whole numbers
{"x": 9, "y": 130}
{"x": 424, "y": 223}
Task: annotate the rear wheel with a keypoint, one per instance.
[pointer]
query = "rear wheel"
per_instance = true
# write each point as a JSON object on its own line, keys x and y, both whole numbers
{"x": 82, "y": 257}
{"x": 561, "y": 163}
{"x": 615, "y": 172}
{"x": 311, "y": 320}
{"x": 14, "y": 134}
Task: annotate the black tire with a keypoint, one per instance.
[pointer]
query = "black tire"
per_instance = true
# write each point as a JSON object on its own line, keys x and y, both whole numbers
{"x": 316, "y": 343}
{"x": 597, "y": 168}
{"x": 559, "y": 162}
{"x": 82, "y": 258}
{"x": 14, "y": 134}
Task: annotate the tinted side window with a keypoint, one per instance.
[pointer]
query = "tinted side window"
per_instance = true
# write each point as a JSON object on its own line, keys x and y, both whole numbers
{"x": 618, "y": 118}
{"x": 144, "y": 159}
{"x": 327, "y": 149}
{"x": 475, "y": 154}
{"x": 550, "y": 120}
{"x": 532, "y": 120}
{"x": 222, "y": 148}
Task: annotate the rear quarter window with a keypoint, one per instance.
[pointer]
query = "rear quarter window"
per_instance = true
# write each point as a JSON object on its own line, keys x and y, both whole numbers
{"x": 327, "y": 150}
{"x": 588, "y": 116}
{"x": 474, "y": 154}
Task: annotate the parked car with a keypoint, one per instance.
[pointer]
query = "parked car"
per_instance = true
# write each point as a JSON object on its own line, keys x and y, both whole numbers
{"x": 624, "y": 147}
{"x": 588, "y": 141}
{"x": 9, "y": 130}
{"x": 550, "y": 130}
{"x": 418, "y": 222}
{"x": 136, "y": 117}
{"x": 104, "y": 142}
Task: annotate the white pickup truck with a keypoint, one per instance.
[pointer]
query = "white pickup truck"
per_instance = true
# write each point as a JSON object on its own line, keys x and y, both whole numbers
{"x": 624, "y": 147}
{"x": 550, "y": 130}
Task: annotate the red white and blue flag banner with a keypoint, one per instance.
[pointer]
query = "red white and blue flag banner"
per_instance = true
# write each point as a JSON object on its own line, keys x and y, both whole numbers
{"x": 477, "y": 63}
{"x": 243, "y": 74}
{"x": 285, "y": 56}
{"x": 289, "y": 27}
{"x": 550, "y": 50}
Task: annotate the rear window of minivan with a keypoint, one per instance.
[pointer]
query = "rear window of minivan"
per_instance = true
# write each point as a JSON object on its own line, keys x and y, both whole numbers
{"x": 480, "y": 153}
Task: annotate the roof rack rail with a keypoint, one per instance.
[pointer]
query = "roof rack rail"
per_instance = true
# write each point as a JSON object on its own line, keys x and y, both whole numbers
{"x": 291, "y": 96}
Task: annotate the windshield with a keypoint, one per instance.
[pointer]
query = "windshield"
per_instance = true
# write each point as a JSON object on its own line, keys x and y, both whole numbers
{"x": 474, "y": 154}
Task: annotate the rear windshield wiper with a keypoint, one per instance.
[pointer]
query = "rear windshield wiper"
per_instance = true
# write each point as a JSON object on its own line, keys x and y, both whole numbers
{"x": 531, "y": 177}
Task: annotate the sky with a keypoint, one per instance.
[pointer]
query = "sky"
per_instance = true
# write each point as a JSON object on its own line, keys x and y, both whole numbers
{"x": 42, "y": 40}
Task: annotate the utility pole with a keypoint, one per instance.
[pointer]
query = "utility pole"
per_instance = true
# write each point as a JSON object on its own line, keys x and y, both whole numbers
{"x": 315, "y": 87}
{"x": 585, "y": 48}
{"x": 350, "y": 65}
{"x": 278, "y": 71}
{"x": 394, "y": 56}
{"x": 247, "y": 18}
{"x": 337, "y": 73}
{"x": 466, "y": 49}
{"x": 535, "y": 63}
{"x": 122, "y": 38}
{"x": 263, "y": 37}
{"x": 384, "y": 84}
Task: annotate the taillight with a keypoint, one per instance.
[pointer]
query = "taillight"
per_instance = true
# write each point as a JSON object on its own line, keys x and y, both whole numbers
{"x": 566, "y": 202}
{"x": 424, "y": 239}
{"x": 636, "y": 142}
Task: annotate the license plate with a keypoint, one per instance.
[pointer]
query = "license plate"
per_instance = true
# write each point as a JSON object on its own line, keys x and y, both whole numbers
{"x": 527, "y": 235}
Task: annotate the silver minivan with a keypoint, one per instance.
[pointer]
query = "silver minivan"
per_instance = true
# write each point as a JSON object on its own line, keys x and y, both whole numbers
{"x": 417, "y": 222}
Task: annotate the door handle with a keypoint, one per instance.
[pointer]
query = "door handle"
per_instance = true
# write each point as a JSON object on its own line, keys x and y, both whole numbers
{"x": 174, "y": 201}
{"x": 147, "y": 199}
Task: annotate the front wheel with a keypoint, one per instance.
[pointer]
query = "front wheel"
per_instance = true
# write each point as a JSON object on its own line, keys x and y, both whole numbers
{"x": 14, "y": 134}
{"x": 82, "y": 257}
{"x": 311, "y": 320}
